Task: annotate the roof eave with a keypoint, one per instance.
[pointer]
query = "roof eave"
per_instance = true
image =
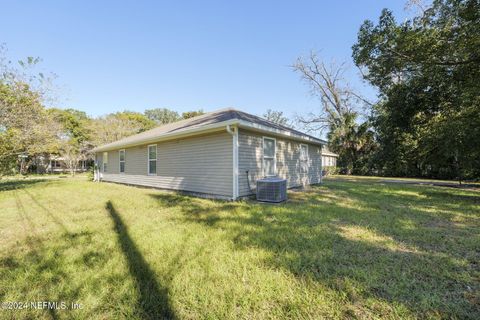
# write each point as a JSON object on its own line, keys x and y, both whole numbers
{"x": 211, "y": 128}
{"x": 168, "y": 136}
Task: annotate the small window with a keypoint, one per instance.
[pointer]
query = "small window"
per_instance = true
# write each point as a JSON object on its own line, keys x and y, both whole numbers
{"x": 303, "y": 152}
{"x": 152, "y": 159}
{"x": 121, "y": 157}
{"x": 269, "y": 159}
{"x": 105, "y": 161}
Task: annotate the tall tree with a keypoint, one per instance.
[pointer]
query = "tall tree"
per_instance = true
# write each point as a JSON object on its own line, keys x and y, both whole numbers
{"x": 137, "y": 119}
{"x": 337, "y": 113}
{"x": 162, "y": 115}
{"x": 116, "y": 126}
{"x": 277, "y": 117}
{"x": 75, "y": 136}
{"x": 427, "y": 70}
{"x": 74, "y": 123}
{"x": 191, "y": 114}
{"x": 26, "y": 130}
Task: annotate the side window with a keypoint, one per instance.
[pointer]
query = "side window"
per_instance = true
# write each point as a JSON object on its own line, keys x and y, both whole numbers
{"x": 303, "y": 152}
{"x": 105, "y": 161}
{"x": 121, "y": 157}
{"x": 152, "y": 159}
{"x": 269, "y": 159}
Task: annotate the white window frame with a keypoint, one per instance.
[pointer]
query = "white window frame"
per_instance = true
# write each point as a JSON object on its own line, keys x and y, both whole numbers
{"x": 105, "y": 163}
{"x": 274, "y": 156}
{"x": 148, "y": 159}
{"x": 120, "y": 160}
{"x": 306, "y": 155}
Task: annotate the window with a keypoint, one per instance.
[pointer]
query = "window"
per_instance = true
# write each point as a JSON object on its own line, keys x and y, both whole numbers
{"x": 105, "y": 161}
{"x": 121, "y": 157}
{"x": 269, "y": 159}
{"x": 303, "y": 152}
{"x": 152, "y": 159}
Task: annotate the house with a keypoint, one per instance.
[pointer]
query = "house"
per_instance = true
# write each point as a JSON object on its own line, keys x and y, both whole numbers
{"x": 329, "y": 159}
{"x": 219, "y": 154}
{"x": 57, "y": 164}
{"x": 53, "y": 163}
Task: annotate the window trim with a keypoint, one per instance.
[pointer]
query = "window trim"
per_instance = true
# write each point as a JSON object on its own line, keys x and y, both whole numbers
{"x": 274, "y": 156}
{"x": 306, "y": 156}
{"x": 148, "y": 159}
{"x": 120, "y": 161}
{"x": 104, "y": 163}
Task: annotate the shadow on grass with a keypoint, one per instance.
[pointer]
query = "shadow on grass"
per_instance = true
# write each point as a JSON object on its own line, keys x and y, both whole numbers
{"x": 42, "y": 263}
{"x": 153, "y": 300}
{"x": 362, "y": 241}
{"x": 19, "y": 184}
{"x": 48, "y": 212}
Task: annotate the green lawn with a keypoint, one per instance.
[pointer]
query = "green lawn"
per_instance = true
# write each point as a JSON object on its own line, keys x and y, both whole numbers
{"x": 346, "y": 249}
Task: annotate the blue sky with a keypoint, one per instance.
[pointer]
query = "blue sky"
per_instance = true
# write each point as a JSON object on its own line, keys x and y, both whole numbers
{"x": 134, "y": 55}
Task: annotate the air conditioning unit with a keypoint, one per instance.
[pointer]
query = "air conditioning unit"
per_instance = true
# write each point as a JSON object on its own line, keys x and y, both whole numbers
{"x": 272, "y": 189}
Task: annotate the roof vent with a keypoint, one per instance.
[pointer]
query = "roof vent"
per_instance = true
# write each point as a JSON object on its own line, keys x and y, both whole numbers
{"x": 272, "y": 189}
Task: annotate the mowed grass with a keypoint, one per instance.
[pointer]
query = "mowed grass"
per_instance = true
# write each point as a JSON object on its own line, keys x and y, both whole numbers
{"x": 345, "y": 249}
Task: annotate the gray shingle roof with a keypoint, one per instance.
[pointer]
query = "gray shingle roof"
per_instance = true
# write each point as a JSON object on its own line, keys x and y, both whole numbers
{"x": 206, "y": 120}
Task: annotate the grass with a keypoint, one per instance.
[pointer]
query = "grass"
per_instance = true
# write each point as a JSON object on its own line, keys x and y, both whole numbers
{"x": 346, "y": 249}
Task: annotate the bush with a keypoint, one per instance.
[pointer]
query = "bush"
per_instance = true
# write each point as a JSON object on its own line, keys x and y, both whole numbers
{"x": 330, "y": 170}
{"x": 91, "y": 173}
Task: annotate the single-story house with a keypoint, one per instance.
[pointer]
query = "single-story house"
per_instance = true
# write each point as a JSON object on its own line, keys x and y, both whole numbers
{"x": 57, "y": 164}
{"x": 219, "y": 154}
{"x": 329, "y": 159}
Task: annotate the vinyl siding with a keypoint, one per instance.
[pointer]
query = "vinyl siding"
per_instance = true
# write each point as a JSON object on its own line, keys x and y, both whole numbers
{"x": 329, "y": 161}
{"x": 288, "y": 163}
{"x": 200, "y": 164}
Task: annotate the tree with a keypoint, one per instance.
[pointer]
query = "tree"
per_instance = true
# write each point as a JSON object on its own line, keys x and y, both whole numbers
{"x": 116, "y": 126}
{"x": 427, "y": 70}
{"x": 338, "y": 112}
{"x": 26, "y": 129}
{"x": 27, "y": 132}
{"x": 74, "y": 124}
{"x": 277, "y": 117}
{"x": 162, "y": 115}
{"x": 75, "y": 136}
{"x": 137, "y": 119}
{"x": 191, "y": 114}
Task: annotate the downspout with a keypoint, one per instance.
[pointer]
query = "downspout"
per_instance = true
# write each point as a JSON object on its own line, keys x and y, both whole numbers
{"x": 321, "y": 164}
{"x": 234, "y": 132}
{"x": 95, "y": 174}
{"x": 96, "y": 169}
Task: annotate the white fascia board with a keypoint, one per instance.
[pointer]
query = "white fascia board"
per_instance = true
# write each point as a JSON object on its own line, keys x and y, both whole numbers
{"x": 234, "y": 133}
{"x": 210, "y": 128}
{"x": 170, "y": 136}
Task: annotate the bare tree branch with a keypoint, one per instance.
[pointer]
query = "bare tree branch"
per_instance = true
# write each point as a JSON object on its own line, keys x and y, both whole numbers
{"x": 336, "y": 97}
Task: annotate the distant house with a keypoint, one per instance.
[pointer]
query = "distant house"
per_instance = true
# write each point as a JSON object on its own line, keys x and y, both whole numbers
{"x": 219, "y": 154}
{"x": 57, "y": 164}
{"x": 329, "y": 159}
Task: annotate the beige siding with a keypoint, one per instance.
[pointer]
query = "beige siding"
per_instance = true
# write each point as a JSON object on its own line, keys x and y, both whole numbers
{"x": 288, "y": 164}
{"x": 329, "y": 161}
{"x": 198, "y": 164}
